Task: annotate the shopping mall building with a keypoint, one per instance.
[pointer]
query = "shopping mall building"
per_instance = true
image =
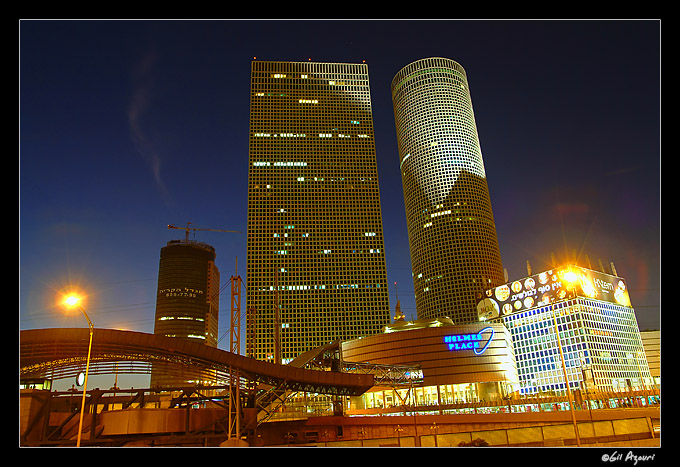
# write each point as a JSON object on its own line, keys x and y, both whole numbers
{"x": 514, "y": 349}
{"x": 456, "y": 364}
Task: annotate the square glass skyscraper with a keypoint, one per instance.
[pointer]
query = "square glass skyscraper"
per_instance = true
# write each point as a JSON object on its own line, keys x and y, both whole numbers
{"x": 316, "y": 257}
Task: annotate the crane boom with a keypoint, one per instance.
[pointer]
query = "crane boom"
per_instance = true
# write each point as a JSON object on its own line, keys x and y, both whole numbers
{"x": 187, "y": 228}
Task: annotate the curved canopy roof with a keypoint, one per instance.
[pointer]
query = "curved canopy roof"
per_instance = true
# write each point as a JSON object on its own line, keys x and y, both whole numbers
{"x": 61, "y": 353}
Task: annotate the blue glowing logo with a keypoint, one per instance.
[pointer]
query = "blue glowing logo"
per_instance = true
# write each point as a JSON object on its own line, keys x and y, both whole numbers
{"x": 473, "y": 342}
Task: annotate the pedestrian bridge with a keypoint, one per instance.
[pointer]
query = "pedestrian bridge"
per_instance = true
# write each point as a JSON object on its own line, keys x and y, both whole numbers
{"x": 62, "y": 352}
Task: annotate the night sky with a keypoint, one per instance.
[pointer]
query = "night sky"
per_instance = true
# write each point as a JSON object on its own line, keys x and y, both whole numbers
{"x": 128, "y": 126}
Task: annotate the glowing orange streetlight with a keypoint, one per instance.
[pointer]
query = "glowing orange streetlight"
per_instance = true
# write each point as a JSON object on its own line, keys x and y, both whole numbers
{"x": 570, "y": 277}
{"x": 72, "y": 301}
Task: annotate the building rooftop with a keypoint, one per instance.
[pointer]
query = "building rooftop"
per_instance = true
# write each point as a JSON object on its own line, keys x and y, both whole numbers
{"x": 418, "y": 324}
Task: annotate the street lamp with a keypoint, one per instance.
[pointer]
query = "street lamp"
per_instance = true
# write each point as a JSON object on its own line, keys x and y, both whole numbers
{"x": 398, "y": 429}
{"x": 566, "y": 380}
{"x": 585, "y": 368}
{"x": 435, "y": 428}
{"x": 570, "y": 277}
{"x": 72, "y": 301}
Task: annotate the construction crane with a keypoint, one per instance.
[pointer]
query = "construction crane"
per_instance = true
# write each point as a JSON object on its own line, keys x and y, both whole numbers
{"x": 187, "y": 228}
{"x": 234, "y": 425}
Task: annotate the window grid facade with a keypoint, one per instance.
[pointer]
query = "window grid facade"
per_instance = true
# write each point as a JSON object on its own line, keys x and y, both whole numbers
{"x": 187, "y": 303}
{"x": 600, "y": 341}
{"x": 315, "y": 239}
{"x": 452, "y": 235}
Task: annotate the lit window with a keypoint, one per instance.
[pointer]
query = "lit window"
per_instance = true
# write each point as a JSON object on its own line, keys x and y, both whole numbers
{"x": 441, "y": 213}
{"x": 289, "y": 164}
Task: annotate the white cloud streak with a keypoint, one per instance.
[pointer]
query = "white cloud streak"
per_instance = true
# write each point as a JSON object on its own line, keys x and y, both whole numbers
{"x": 137, "y": 110}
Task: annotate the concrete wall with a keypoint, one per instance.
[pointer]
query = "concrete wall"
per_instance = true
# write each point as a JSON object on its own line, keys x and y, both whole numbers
{"x": 607, "y": 427}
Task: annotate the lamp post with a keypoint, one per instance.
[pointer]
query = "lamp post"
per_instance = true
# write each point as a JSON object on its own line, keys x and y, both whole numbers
{"x": 584, "y": 383}
{"x": 398, "y": 429}
{"x": 566, "y": 381}
{"x": 74, "y": 301}
{"x": 434, "y": 427}
{"x": 571, "y": 278}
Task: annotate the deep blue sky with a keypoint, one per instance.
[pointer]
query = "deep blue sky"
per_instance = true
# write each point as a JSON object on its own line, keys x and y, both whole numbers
{"x": 127, "y": 126}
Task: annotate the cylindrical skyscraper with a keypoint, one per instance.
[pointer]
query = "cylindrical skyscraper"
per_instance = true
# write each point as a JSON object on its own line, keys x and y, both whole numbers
{"x": 452, "y": 235}
{"x": 187, "y": 304}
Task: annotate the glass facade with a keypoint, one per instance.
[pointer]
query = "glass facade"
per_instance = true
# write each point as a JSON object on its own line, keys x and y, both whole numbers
{"x": 600, "y": 339}
{"x": 452, "y": 235}
{"x": 651, "y": 340}
{"x": 316, "y": 258}
{"x": 445, "y": 394}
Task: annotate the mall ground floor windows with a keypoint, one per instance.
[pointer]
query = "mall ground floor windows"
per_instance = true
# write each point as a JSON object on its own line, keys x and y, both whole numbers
{"x": 442, "y": 395}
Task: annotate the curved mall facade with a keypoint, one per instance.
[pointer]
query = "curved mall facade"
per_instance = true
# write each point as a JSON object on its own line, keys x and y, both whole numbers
{"x": 459, "y": 363}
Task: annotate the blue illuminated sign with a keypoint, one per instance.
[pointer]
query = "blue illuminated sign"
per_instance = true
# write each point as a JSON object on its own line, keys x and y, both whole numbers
{"x": 473, "y": 342}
